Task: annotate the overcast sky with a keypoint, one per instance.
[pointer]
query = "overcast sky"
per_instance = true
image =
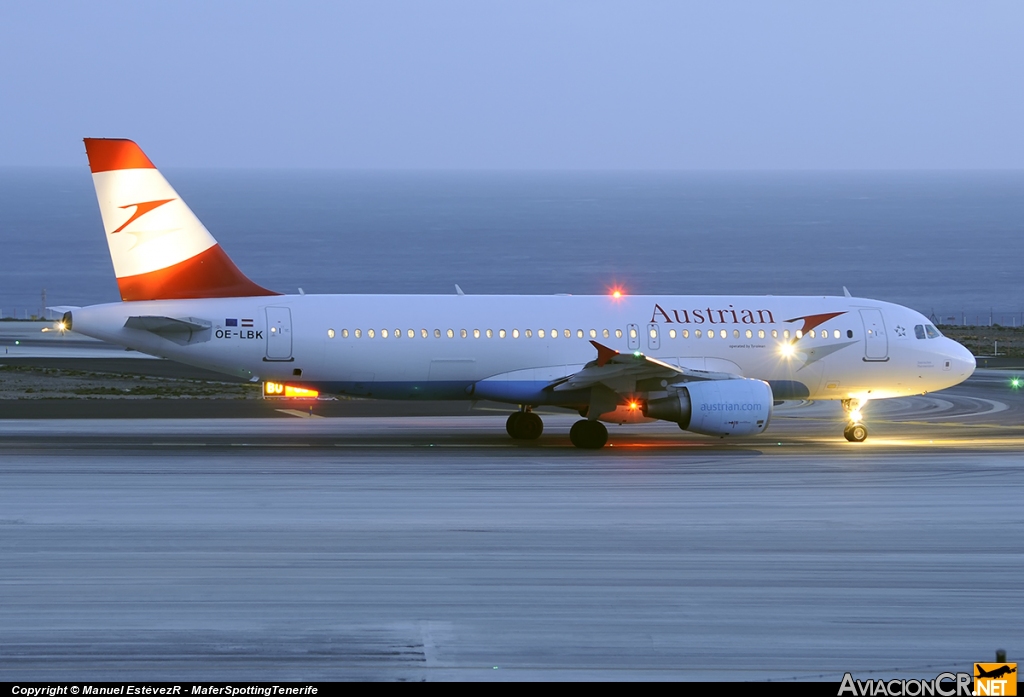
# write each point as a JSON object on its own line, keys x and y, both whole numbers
{"x": 523, "y": 85}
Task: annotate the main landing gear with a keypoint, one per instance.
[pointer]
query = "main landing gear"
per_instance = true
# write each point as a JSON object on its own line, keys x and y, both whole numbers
{"x": 855, "y": 431}
{"x": 589, "y": 435}
{"x": 524, "y": 425}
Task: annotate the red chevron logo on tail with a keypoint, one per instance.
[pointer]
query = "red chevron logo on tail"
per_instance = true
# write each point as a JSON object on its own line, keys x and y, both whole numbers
{"x": 140, "y": 210}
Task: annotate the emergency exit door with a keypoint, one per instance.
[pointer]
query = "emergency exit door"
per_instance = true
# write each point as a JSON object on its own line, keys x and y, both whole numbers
{"x": 279, "y": 334}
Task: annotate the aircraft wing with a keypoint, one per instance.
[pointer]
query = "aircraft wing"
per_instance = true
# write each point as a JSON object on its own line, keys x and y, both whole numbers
{"x": 622, "y": 371}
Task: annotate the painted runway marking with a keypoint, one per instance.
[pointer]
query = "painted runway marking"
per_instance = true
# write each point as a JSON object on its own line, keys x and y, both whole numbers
{"x": 299, "y": 413}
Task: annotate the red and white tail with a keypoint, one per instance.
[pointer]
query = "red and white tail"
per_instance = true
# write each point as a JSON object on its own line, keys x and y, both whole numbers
{"x": 159, "y": 248}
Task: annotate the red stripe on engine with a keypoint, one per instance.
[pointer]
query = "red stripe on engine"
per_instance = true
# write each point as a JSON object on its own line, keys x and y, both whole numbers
{"x": 209, "y": 274}
{"x": 107, "y": 154}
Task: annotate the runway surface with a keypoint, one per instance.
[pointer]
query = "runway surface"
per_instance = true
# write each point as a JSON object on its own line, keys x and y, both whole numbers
{"x": 414, "y": 548}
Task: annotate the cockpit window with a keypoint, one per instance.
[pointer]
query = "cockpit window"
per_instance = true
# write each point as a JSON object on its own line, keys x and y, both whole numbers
{"x": 919, "y": 331}
{"x": 933, "y": 333}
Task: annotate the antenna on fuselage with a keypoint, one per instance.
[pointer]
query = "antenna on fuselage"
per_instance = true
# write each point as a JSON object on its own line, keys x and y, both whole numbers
{"x": 458, "y": 289}
{"x": 846, "y": 292}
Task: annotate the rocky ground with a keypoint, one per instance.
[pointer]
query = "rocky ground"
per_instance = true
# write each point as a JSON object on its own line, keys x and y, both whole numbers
{"x": 20, "y": 382}
{"x": 982, "y": 341}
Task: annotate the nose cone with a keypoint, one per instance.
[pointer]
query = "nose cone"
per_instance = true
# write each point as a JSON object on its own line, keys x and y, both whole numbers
{"x": 963, "y": 363}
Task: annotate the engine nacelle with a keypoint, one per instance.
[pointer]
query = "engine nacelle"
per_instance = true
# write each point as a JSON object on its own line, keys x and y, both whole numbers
{"x": 740, "y": 407}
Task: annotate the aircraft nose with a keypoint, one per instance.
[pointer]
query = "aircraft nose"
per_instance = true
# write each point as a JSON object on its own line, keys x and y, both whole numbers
{"x": 963, "y": 360}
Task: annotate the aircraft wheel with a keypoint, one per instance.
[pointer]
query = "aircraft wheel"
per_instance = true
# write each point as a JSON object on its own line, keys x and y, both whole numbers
{"x": 589, "y": 435}
{"x": 524, "y": 425}
{"x": 529, "y": 426}
{"x": 856, "y": 433}
{"x": 510, "y": 425}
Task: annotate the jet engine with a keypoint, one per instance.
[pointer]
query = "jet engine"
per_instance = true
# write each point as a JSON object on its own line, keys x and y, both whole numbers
{"x": 737, "y": 407}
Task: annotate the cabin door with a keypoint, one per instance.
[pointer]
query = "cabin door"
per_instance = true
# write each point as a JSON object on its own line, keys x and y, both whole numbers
{"x": 279, "y": 334}
{"x": 876, "y": 342}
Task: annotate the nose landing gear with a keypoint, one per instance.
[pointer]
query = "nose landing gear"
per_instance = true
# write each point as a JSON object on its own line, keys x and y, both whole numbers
{"x": 855, "y": 431}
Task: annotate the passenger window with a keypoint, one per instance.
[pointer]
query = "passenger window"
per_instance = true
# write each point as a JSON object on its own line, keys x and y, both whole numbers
{"x": 671, "y": 333}
{"x": 490, "y": 334}
{"x": 750, "y": 334}
{"x": 686, "y": 333}
{"x": 463, "y": 333}
{"x": 735, "y": 333}
{"x": 696, "y": 334}
{"x": 849, "y": 333}
{"x": 540, "y": 333}
{"x": 450, "y": 333}
{"x": 398, "y": 333}
{"x": 529, "y": 333}
{"x": 723, "y": 333}
{"x": 654, "y": 333}
{"x": 785, "y": 334}
{"x": 344, "y": 333}
{"x": 605, "y": 334}
{"x": 632, "y": 333}
{"x": 618, "y": 333}
{"x": 412, "y": 334}
{"x": 554, "y": 333}
{"x": 383, "y": 333}
{"x": 359, "y": 333}
{"x": 515, "y": 333}
{"x": 437, "y": 333}
{"x": 835, "y": 334}
{"x": 933, "y": 333}
{"x": 476, "y": 333}
{"x": 369, "y": 333}
{"x": 760, "y": 333}
{"x": 330, "y": 333}
{"x": 799, "y": 333}
{"x": 568, "y": 334}
{"x": 423, "y": 333}
{"x": 579, "y": 333}
{"x": 811, "y": 333}
{"x": 501, "y": 333}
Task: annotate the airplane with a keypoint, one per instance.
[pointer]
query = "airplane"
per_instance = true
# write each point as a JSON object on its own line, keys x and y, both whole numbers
{"x": 999, "y": 672}
{"x": 714, "y": 365}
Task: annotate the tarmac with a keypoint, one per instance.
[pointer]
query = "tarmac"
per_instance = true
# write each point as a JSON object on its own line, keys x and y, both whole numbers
{"x": 402, "y": 547}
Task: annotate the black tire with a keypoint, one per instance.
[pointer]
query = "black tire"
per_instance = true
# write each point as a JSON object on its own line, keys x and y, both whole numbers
{"x": 588, "y": 435}
{"x": 510, "y": 425}
{"x": 529, "y": 426}
{"x": 856, "y": 433}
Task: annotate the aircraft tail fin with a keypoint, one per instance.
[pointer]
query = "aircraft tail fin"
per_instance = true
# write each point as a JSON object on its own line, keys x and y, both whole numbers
{"x": 160, "y": 249}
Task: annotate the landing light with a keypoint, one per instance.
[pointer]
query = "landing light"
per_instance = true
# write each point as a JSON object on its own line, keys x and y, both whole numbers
{"x": 856, "y": 416}
{"x": 1015, "y": 383}
{"x": 786, "y": 350}
{"x": 633, "y": 406}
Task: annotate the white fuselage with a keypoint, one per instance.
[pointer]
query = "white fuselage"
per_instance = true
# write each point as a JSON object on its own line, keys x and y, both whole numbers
{"x": 508, "y": 348}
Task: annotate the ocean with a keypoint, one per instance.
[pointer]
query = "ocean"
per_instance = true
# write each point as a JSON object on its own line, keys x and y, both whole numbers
{"x": 950, "y": 244}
